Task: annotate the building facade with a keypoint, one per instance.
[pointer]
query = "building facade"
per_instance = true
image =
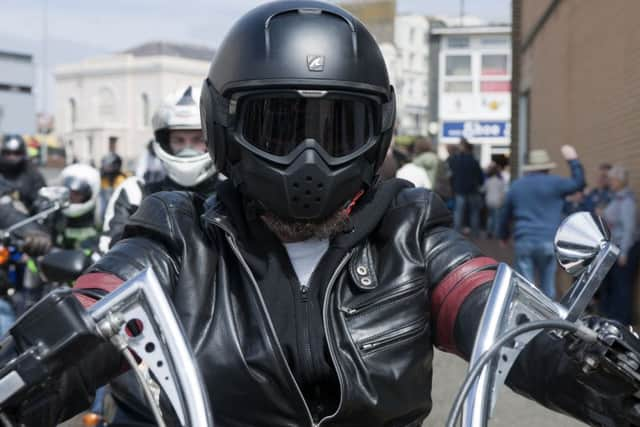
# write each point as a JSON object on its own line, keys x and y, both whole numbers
{"x": 412, "y": 76}
{"x": 404, "y": 42}
{"x": 105, "y": 103}
{"x": 576, "y": 81}
{"x": 471, "y": 88}
{"x": 17, "y": 103}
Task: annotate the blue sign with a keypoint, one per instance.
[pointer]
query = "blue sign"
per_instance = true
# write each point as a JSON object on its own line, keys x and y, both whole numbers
{"x": 477, "y": 129}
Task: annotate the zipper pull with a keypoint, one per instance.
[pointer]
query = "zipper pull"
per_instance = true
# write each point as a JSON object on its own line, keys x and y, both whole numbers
{"x": 304, "y": 293}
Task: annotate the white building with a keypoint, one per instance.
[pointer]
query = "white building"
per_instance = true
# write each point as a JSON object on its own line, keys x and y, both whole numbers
{"x": 17, "y": 104}
{"x": 106, "y": 103}
{"x": 411, "y": 73}
{"x": 472, "y": 80}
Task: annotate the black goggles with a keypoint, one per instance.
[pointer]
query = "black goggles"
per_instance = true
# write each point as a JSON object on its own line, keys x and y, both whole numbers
{"x": 341, "y": 123}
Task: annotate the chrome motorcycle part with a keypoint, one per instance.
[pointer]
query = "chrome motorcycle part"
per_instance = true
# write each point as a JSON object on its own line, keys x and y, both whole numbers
{"x": 514, "y": 300}
{"x": 488, "y": 356}
{"x": 149, "y": 326}
{"x": 583, "y": 249}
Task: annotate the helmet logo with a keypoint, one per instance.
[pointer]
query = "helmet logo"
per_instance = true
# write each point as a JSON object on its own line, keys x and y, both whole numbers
{"x": 315, "y": 62}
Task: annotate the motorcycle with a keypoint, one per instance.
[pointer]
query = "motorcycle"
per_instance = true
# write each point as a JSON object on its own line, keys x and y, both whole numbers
{"x": 138, "y": 318}
{"x": 18, "y": 273}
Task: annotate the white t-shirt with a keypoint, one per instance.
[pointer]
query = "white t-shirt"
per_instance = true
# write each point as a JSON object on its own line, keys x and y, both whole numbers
{"x": 305, "y": 257}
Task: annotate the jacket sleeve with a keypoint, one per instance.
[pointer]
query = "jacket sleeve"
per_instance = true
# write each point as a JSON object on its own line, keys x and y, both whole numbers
{"x": 34, "y": 182}
{"x": 576, "y": 182}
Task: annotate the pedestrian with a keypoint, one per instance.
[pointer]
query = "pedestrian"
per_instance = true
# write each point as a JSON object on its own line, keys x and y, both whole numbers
{"x": 598, "y": 198}
{"x": 111, "y": 176}
{"x": 437, "y": 170}
{"x": 495, "y": 192}
{"x": 535, "y": 205}
{"x": 467, "y": 179}
{"x": 616, "y": 294}
{"x": 416, "y": 173}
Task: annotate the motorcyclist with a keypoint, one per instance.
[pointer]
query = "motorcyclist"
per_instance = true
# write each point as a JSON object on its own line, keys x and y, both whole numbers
{"x": 180, "y": 147}
{"x": 35, "y": 241}
{"x": 76, "y": 226}
{"x": 111, "y": 177}
{"x": 311, "y": 292}
{"x": 18, "y": 171}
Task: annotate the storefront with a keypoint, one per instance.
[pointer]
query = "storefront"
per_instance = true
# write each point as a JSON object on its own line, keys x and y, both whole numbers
{"x": 473, "y": 87}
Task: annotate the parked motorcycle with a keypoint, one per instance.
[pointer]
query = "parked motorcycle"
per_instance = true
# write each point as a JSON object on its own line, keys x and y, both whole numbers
{"x": 138, "y": 317}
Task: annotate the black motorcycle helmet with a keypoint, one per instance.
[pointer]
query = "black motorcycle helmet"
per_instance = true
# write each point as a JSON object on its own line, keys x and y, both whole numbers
{"x": 110, "y": 165}
{"x": 13, "y": 153}
{"x": 299, "y": 105}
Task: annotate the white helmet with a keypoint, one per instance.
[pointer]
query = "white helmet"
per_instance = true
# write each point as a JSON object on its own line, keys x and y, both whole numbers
{"x": 181, "y": 111}
{"x": 83, "y": 183}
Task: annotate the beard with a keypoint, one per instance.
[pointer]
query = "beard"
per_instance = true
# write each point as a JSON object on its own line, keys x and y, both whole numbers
{"x": 289, "y": 231}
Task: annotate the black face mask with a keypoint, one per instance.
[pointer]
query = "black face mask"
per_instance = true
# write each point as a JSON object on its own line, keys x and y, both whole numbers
{"x": 305, "y": 154}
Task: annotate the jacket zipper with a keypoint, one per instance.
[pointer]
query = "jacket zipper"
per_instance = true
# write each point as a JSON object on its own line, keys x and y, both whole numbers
{"x": 393, "y": 336}
{"x": 404, "y": 291}
{"x": 236, "y": 251}
{"x": 325, "y": 322}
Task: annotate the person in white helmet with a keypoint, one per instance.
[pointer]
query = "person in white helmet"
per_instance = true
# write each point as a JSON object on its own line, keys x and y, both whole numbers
{"x": 79, "y": 225}
{"x": 180, "y": 146}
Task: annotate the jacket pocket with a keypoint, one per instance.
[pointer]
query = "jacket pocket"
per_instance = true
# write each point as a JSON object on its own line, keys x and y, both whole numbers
{"x": 410, "y": 288}
{"x": 388, "y": 338}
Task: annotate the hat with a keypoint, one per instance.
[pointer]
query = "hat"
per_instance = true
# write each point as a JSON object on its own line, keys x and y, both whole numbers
{"x": 539, "y": 160}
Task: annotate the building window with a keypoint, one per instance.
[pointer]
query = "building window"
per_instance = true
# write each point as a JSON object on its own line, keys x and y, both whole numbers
{"x": 106, "y": 104}
{"x": 499, "y": 41}
{"x": 145, "y": 110}
{"x": 458, "y": 87}
{"x": 458, "y": 65}
{"x": 412, "y": 35}
{"x": 412, "y": 58}
{"x": 73, "y": 114}
{"x": 458, "y": 42}
{"x": 495, "y": 65}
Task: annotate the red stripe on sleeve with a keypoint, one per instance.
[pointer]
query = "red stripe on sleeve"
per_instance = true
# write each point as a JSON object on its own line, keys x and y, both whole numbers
{"x": 104, "y": 281}
{"x": 451, "y": 293}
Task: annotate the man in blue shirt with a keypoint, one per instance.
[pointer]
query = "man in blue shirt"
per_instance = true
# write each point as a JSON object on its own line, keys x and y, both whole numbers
{"x": 534, "y": 205}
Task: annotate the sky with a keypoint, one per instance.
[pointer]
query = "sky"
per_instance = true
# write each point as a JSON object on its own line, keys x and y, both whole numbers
{"x": 77, "y": 29}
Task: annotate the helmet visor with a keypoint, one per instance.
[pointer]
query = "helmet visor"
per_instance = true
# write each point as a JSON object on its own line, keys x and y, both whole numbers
{"x": 278, "y": 123}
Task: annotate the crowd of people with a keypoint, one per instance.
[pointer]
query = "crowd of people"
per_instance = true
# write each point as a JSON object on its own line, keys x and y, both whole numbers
{"x": 525, "y": 214}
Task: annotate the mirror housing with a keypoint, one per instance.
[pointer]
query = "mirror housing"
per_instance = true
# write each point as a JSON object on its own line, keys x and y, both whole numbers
{"x": 55, "y": 194}
{"x": 579, "y": 239}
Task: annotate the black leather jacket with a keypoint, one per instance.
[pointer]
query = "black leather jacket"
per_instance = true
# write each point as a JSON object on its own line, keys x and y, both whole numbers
{"x": 402, "y": 282}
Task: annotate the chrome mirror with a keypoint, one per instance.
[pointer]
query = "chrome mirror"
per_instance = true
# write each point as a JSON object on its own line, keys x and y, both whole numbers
{"x": 55, "y": 194}
{"x": 578, "y": 240}
{"x": 584, "y": 249}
